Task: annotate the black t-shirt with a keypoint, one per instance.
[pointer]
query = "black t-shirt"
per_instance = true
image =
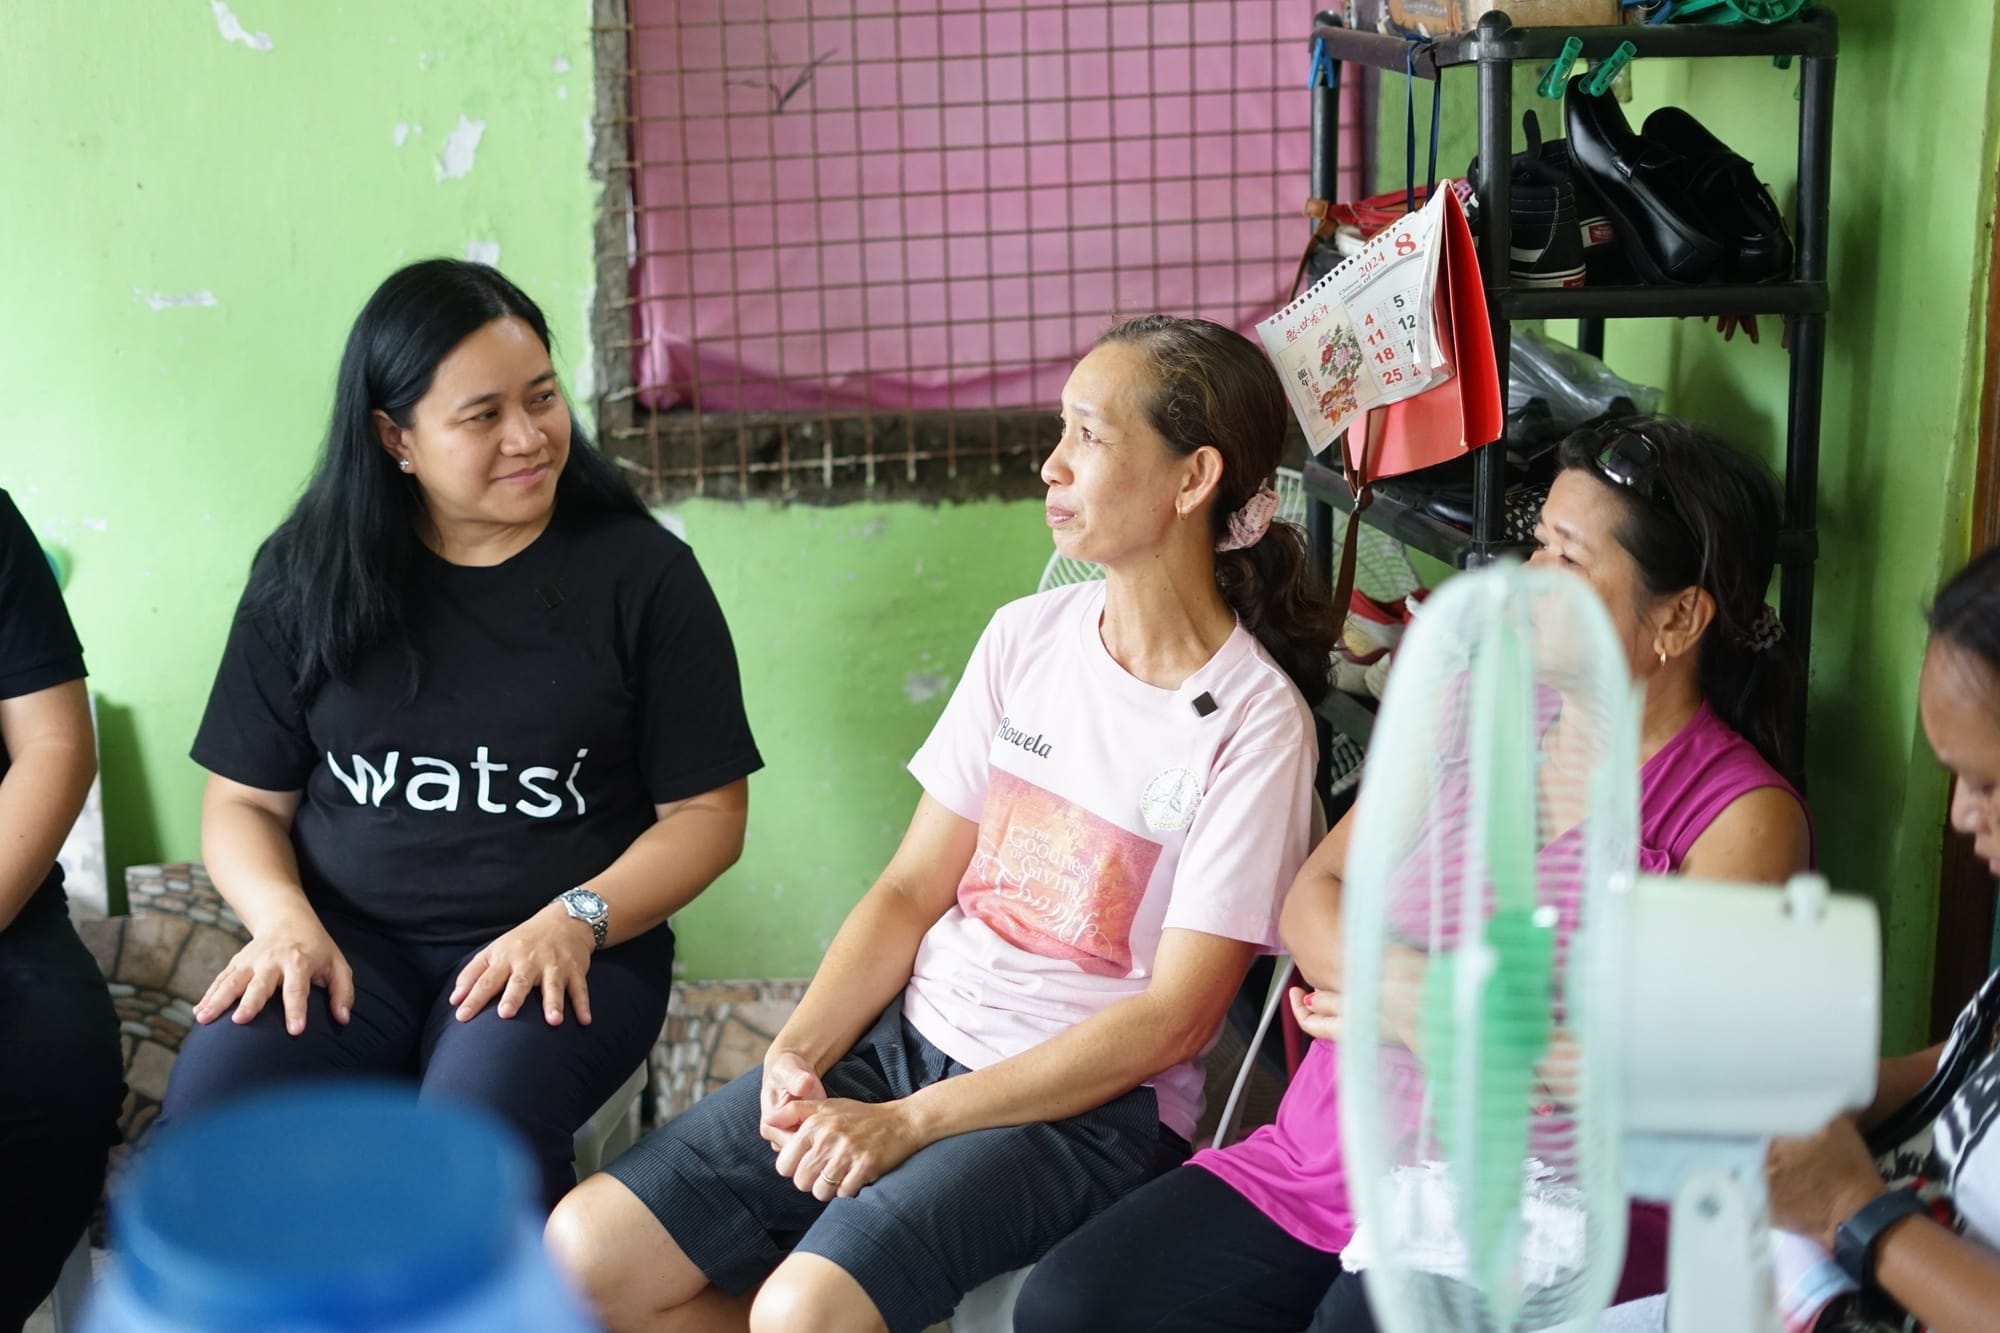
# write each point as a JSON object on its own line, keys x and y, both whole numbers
{"x": 560, "y": 695}
{"x": 38, "y": 650}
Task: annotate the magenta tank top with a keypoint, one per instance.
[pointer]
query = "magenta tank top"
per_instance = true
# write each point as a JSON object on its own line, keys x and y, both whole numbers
{"x": 1291, "y": 1169}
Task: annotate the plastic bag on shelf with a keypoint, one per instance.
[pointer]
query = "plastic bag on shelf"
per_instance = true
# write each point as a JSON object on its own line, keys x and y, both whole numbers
{"x": 1577, "y": 387}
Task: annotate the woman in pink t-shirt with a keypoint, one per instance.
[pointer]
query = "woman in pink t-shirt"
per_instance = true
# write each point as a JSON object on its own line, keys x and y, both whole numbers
{"x": 1005, "y": 1036}
{"x": 1676, "y": 532}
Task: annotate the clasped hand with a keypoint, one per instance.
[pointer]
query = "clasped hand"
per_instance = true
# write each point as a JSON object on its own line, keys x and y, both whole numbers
{"x": 829, "y": 1147}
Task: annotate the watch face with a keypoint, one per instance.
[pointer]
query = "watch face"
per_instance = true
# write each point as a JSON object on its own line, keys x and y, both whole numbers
{"x": 586, "y": 902}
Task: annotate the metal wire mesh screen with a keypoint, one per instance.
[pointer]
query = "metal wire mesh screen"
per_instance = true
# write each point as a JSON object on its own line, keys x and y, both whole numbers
{"x": 854, "y": 246}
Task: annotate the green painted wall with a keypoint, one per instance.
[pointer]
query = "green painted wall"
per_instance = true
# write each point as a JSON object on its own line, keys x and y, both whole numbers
{"x": 1914, "y": 147}
{"x": 191, "y": 222}
{"x": 852, "y": 625}
{"x": 173, "y": 166}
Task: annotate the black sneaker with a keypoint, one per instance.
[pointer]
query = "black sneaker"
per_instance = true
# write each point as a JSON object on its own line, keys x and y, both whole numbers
{"x": 1603, "y": 263}
{"x": 1545, "y": 238}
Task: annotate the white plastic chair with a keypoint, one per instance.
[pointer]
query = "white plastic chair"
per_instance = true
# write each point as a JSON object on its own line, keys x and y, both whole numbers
{"x": 614, "y": 1127}
{"x": 72, "y": 1287}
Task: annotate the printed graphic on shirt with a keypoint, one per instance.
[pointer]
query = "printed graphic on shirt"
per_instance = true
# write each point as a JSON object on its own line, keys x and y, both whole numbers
{"x": 1169, "y": 800}
{"x": 1055, "y": 880}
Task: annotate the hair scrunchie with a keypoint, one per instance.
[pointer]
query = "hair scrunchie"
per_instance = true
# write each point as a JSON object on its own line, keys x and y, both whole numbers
{"x": 1248, "y": 525}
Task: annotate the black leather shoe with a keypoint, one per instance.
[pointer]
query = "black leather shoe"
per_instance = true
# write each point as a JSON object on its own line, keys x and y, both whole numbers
{"x": 1746, "y": 218}
{"x": 1659, "y": 224}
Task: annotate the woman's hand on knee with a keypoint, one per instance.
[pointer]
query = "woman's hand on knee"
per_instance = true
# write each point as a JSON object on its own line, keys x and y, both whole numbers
{"x": 286, "y": 960}
{"x": 838, "y": 1146}
{"x": 549, "y": 951}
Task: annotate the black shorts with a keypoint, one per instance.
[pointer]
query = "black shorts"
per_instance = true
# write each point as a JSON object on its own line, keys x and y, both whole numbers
{"x": 959, "y": 1212}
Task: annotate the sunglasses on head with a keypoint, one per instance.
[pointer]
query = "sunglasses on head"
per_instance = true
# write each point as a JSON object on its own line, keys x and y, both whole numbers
{"x": 1629, "y": 461}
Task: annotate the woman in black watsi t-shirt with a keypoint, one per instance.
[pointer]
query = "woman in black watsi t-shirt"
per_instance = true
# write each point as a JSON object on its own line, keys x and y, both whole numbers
{"x": 61, "y": 1078}
{"x": 476, "y": 734}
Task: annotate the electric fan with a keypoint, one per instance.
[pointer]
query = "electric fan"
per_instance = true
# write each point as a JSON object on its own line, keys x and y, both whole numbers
{"x": 1531, "y": 1030}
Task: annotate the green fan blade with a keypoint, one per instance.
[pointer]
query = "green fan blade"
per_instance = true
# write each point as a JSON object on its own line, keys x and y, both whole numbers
{"x": 1515, "y": 1010}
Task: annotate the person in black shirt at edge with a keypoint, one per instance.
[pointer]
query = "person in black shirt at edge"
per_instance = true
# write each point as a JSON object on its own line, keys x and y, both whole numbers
{"x": 476, "y": 734}
{"x": 61, "y": 1076}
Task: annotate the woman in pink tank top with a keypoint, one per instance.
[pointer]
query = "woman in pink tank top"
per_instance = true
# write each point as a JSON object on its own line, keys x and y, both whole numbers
{"x": 1676, "y": 532}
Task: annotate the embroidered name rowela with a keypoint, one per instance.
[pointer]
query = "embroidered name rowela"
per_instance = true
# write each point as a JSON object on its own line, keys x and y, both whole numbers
{"x": 437, "y": 784}
{"x": 1013, "y": 735}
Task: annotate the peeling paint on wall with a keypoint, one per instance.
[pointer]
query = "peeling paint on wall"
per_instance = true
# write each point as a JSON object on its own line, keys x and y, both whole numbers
{"x": 483, "y": 252}
{"x": 923, "y": 686}
{"x": 401, "y": 134}
{"x": 232, "y": 28}
{"x": 165, "y": 301}
{"x": 460, "y": 148}
{"x": 561, "y": 65}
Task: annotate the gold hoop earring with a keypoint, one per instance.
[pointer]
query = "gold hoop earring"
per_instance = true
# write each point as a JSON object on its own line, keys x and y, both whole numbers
{"x": 1663, "y": 659}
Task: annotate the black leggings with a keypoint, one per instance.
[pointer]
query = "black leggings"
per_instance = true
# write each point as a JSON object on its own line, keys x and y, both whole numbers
{"x": 62, "y": 1085}
{"x": 1188, "y": 1254}
{"x": 545, "y": 1081}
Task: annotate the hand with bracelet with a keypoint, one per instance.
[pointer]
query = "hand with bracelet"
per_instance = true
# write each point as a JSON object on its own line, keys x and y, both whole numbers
{"x": 550, "y": 950}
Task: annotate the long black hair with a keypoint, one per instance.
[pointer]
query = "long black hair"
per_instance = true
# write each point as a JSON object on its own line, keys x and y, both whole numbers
{"x": 1713, "y": 525}
{"x": 1213, "y": 386}
{"x": 1966, "y": 613}
{"x": 331, "y": 578}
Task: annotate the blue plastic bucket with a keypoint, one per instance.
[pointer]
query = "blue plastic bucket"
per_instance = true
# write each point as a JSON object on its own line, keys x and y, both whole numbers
{"x": 331, "y": 1206}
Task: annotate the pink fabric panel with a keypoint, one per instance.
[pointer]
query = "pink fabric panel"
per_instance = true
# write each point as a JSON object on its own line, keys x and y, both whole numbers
{"x": 949, "y": 205}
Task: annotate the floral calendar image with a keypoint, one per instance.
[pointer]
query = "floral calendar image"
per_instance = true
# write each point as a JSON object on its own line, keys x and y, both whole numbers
{"x": 1365, "y": 335}
{"x": 1340, "y": 370}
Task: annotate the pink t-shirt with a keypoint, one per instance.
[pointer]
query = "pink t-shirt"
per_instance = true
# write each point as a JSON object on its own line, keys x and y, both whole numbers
{"x": 1292, "y": 1169}
{"x": 1109, "y": 810}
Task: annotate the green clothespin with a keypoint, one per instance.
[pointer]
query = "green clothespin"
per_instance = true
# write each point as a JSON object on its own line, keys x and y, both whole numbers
{"x": 1605, "y": 74}
{"x": 1556, "y": 77}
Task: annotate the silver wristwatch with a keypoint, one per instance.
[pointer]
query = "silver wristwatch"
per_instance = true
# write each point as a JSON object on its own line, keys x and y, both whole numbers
{"x": 588, "y": 907}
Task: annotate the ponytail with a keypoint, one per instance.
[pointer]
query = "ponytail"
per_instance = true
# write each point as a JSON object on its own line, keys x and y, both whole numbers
{"x": 1273, "y": 590}
{"x": 1751, "y": 690}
